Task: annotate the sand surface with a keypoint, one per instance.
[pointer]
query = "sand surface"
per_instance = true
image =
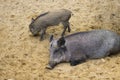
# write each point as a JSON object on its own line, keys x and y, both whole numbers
{"x": 23, "y": 57}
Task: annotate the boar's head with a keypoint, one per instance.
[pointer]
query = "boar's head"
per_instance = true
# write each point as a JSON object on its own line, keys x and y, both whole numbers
{"x": 57, "y": 49}
{"x": 33, "y": 28}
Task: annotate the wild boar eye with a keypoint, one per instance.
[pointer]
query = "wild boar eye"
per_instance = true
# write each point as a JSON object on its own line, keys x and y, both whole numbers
{"x": 32, "y": 27}
{"x": 51, "y": 45}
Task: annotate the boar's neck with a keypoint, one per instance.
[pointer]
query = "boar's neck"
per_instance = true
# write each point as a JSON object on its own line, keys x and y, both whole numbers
{"x": 65, "y": 53}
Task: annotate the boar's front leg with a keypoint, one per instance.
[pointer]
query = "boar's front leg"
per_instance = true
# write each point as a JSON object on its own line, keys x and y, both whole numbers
{"x": 76, "y": 62}
{"x": 43, "y": 31}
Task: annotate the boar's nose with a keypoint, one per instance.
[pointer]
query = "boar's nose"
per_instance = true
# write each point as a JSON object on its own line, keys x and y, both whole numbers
{"x": 48, "y": 67}
{"x": 51, "y": 65}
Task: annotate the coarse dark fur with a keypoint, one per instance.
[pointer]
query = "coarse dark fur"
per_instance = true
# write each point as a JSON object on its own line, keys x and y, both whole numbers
{"x": 78, "y": 47}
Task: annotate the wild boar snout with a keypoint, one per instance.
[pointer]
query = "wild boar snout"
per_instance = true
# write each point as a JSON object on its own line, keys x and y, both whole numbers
{"x": 51, "y": 65}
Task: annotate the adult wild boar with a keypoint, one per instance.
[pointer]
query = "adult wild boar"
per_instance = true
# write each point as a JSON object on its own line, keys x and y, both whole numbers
{"x": 48, "y": 19}
{"x": 78, "y": 47}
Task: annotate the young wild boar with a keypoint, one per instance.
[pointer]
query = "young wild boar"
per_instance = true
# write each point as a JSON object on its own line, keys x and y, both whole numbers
{"x": 77, "y": 48}
{"x": 48, "y": 19}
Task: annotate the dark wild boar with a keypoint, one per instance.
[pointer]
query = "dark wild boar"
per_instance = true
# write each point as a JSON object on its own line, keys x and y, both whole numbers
{"x": 48, "y": 19}
{"x": 77, "y": 48}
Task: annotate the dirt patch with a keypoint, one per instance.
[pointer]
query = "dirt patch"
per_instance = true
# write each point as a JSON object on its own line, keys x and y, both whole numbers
{"x": 23, "y": 57}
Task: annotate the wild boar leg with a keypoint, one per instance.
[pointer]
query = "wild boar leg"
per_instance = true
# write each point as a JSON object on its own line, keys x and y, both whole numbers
{"x": 43, "y": 31}
{"x": 65, "y": 24}
{"x": 76, "y": 62}
{"x": 68, "y": 27}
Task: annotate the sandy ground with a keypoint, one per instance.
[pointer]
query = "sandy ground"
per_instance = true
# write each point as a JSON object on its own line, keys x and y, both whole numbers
{"x": 23, "y": 57}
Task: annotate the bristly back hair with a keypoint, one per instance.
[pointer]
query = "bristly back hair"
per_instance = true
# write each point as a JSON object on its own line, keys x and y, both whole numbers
{"x": 77, "y": 34}
{"x": 41, "y": 15}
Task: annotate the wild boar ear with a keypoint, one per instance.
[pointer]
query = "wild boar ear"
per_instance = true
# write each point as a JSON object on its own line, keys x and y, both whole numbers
{"x": 51, "y": 38}
{"x": 61, "y": 42}
{"x": 32, "y": 19}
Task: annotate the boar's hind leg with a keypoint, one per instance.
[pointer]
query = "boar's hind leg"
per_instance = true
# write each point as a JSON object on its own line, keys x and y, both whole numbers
{"x": 66, "y": 25}
{"x": 76, "y": 62}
